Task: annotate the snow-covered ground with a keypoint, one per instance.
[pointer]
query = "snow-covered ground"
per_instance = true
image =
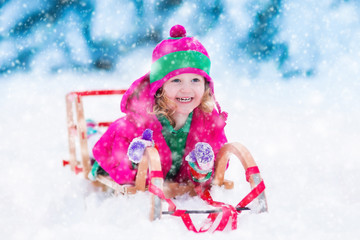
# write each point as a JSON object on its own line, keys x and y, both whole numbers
{"x": 303, "y": 133}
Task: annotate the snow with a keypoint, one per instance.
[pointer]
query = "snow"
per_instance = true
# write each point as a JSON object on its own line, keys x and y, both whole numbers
{"x": 104, "y": 26}
{"x": 303, "y": 133}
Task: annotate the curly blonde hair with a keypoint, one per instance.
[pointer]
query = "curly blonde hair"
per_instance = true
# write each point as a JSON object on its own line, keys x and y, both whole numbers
{"x": 165, "y": 106}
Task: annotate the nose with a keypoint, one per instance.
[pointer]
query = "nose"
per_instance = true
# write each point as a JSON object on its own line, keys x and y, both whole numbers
{"x": 185, "y": 87}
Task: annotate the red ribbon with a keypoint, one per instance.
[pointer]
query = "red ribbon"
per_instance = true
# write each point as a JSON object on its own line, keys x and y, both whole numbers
{"x": 250, "y": 171}
{"x": 228, "y": 211}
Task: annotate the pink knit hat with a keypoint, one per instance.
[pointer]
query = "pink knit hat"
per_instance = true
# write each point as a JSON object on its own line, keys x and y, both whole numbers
{"x": 177, "y": 55}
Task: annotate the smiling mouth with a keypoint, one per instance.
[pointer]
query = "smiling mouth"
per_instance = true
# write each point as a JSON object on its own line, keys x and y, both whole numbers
{"x": 184, "y": 100}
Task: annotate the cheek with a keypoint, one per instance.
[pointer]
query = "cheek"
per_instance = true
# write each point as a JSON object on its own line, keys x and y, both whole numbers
{"x": 169, "y": 95}
{"x": 169, "y": 92}
{"x": 200, "y": 91}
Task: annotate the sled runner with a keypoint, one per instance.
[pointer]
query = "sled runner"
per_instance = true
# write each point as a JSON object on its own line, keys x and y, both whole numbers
{"x": 150, "y": 168}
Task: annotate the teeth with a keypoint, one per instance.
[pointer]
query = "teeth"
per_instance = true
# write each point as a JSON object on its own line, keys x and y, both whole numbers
{"x": 184, "y": 99}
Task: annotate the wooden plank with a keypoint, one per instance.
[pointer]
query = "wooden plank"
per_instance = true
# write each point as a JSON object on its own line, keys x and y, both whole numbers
{"x": 81, "y": 126}
{"x": 223, "y": 157}
{"x": 140, "y": 180}
{"x": 71, "y": 131}
{"x": 155, "y": 165}
{"x": 118, "y": 189}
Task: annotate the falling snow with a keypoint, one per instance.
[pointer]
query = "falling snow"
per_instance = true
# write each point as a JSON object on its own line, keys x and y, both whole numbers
{"x": 294, "y": 105}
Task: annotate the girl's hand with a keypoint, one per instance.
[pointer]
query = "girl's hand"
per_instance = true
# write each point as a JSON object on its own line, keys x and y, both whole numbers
{"x": 203, "y": 155}
{"x": 138, "y": 145}
{"x": 201, "y": 162}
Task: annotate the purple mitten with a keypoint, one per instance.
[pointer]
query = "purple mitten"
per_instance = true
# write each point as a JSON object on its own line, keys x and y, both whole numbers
{"x": 137, "y": 146}
{"x": 191, "y": 157}
{"x": 203, "y": 155}
{"x": 136, "y": 150}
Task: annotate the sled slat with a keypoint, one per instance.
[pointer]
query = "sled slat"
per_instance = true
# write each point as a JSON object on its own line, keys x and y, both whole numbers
{"x": 71, "y": 133}
{"x": 261, "y": 199}
{"x": 140, "y": 181}
{"x": 173, "y": 189}
{"x": 83, "y": 136}
{"x": 223, "y": 157}
{"x": 118, "y": 189}
{"x": 155, "y": 165}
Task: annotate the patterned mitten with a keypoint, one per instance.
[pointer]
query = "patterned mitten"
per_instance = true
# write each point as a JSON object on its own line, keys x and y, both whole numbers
{"x": 137, "y": 146}
{"x": 201, "y": 162}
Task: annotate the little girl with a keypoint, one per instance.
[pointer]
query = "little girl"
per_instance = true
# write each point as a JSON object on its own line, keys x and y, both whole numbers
{"x": 173, "y": 107}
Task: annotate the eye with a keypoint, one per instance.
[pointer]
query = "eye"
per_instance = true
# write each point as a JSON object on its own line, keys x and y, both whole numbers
{"x": 196, "y": 80}
{"x": 176, "y": 80}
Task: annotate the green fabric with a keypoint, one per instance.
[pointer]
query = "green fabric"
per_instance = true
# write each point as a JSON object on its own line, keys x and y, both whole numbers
{"x": 94, "y": 169}
{"x": 207, "y": 177}
{"x": 179, "y": 37}
{"x": 178, "y": 60}
{"x": 97, "y": 170}
{"x": 174, "y": 37}
{"x": 176, "y": 140}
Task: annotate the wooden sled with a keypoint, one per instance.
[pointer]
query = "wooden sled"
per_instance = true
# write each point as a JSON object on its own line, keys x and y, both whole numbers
{"x": 149, "y": 162}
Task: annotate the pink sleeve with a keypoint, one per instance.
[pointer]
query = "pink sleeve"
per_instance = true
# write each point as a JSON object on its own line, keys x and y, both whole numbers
{"x": 111, "y": 152}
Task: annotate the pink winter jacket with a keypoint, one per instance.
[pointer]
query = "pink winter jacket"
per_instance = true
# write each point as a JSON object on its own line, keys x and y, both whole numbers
{"x": 111, "y": 150}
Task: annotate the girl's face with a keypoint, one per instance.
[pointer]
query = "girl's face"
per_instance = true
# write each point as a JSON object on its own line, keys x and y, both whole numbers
{"x": 186, "y": 91}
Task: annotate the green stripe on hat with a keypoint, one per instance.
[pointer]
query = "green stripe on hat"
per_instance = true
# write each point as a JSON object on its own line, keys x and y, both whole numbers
{"x": 178, "y": 60}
